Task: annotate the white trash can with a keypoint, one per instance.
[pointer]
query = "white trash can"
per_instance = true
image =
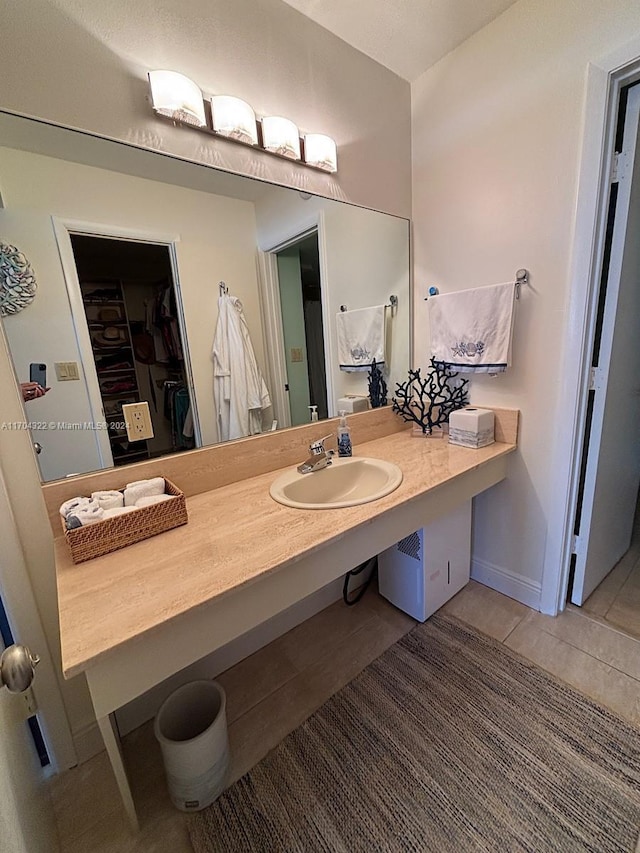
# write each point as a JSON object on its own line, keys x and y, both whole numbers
{"x": 191, "y": 727}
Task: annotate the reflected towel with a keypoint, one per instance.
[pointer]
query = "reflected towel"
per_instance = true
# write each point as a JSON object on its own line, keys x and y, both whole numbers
{"x": 361, "y": 338}
{"x": 471, "y": 329}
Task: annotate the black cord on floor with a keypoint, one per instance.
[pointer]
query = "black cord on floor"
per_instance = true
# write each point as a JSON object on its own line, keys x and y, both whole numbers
{"x": 373, "y": 562}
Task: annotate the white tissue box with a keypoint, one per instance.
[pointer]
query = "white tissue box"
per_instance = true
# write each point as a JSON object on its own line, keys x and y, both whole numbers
{"x": 471, "y": 427}
{"x": 353, "y": 403}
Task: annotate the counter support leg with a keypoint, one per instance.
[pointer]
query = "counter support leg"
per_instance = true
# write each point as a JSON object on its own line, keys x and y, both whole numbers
{"x": 114, "y": 751}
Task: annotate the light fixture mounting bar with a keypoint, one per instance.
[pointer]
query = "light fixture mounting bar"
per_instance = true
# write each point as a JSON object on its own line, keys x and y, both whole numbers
{"x": 179, "y": 99}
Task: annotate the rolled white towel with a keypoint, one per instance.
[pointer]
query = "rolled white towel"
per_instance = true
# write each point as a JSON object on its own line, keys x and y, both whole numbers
{"x": 109, "y": 499}
{"x": 143, "y": 489}
{"x": 74, "y": 504}
{"x": 84, "y": 516}
{"x": 153, "y": 499}
{"x": 119, "y": 510}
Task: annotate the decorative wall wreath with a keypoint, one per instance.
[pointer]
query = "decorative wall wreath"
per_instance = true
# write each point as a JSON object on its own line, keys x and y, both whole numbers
{"x": 17, "y": 280}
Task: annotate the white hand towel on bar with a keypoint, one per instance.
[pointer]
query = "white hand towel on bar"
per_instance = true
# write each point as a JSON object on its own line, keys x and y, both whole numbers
{"x": 361, "y": 338}
{"x": 471, "y": 329}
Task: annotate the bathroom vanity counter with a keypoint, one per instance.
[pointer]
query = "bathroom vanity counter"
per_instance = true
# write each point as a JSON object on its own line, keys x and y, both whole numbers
{"x": 236, "y": 535}
{"x": 132, "y": 618}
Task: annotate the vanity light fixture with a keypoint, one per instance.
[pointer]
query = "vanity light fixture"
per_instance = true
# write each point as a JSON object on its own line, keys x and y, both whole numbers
{"x": 177, "y": 97}
{"x": 281, "y": 136}
{"x": 320, "y": 152}
{"x": 234, "y": 118}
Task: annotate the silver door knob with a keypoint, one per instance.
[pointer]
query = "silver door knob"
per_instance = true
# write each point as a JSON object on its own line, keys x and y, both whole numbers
{"x": 37, "y": 447}
{"x": 17, "y": 668}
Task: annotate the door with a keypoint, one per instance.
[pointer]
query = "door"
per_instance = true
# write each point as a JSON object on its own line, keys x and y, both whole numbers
{"x": 294, "y": 337}
{"x": 26, "y": 814}
{"x": 300, "y": 291}
{"x": 611, "y": 471}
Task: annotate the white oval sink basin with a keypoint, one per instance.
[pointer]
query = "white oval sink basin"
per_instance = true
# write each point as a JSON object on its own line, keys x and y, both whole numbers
{"x": 346, "y": 482}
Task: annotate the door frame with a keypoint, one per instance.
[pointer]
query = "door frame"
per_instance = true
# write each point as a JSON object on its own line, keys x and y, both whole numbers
{"x": 19, "y": 599}
{"x": 273, "y": 335}
{"x": 605, "y": 79}
{"x": 63, "y": 228}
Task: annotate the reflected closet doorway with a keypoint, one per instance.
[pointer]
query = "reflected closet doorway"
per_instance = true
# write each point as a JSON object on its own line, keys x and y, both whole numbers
{"x": 127, "y": 310}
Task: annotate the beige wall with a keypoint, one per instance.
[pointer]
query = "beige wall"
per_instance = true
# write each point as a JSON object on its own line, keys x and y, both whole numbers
{"x": 83, "y": 63}
{"x": 497, "y": 130}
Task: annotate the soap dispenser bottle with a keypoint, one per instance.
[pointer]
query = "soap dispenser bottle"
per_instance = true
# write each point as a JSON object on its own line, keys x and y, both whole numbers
{"x": 344, "y": 436}
{"x": 313, "y": 412}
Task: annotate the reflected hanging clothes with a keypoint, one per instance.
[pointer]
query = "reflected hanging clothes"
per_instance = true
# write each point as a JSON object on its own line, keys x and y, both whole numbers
{"x": 177, "y": 410}
{"x": 239, "y": 389}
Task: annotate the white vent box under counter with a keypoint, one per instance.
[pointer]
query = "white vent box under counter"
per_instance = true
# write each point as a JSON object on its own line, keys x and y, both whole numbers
{"x": 352, "y": 403}
{"x": 425, "y": 569}
{"x": 471, "y": 427}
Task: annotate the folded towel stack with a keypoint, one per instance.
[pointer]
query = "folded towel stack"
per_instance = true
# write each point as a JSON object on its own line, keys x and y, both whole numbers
{"x": 81, "y": 511}
{"x": 119, "y": 510}
{"x": 109, "y": 499}
{"x": 143, "y": 489}
{"x": 88, "y": 513}
{"x": 150, "y": 500}
{"x": 75, "y": 503}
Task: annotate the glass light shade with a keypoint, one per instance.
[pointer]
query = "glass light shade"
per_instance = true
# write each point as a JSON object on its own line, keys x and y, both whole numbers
{"x": 178, "y": 97}
{"x": 281, "y": 136}
{"x": 234, "y": 118}
{"x": 320, "y": 151}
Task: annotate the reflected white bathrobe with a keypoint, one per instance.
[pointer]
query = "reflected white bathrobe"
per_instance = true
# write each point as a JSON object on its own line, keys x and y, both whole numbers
{"x": 239, "y": 389}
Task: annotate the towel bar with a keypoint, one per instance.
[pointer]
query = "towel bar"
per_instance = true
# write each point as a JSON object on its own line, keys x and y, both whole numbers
{"x": 392, "y": 303}
{"x": 522, "y": 277}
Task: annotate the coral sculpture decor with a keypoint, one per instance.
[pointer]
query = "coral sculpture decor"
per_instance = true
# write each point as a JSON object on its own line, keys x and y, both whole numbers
{"x": 377, "y": 386}
{"x": 428, "y": 402}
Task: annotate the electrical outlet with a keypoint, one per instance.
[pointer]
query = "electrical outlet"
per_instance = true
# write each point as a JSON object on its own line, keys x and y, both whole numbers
{"x": 138, "y": 420}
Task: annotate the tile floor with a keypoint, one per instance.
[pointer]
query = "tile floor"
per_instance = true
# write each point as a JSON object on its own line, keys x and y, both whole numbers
{"x": 274, "y": 690}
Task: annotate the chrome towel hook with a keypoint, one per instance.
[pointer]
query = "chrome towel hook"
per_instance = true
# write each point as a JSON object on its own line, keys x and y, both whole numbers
{"x": 522, "y": 277}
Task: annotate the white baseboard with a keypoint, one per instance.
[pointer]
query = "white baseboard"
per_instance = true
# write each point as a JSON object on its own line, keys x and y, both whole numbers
{"x": 88, "y": 740}
{"x": 507, "y": 582}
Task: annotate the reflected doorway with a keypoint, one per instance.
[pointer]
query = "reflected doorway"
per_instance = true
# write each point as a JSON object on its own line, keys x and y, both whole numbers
{"x": 300, "y": 291}
{"x": 131, "y": 310}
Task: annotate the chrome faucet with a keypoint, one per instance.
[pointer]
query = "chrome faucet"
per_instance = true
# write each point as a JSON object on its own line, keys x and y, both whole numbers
{"x": 318, "y": 457}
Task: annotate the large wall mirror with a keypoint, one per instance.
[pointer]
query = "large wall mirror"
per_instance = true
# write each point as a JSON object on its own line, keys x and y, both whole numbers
{"x": 137, "y": 255}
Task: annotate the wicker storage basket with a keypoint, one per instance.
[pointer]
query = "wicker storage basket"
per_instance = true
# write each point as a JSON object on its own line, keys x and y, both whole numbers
{"x": 111, "y": 534}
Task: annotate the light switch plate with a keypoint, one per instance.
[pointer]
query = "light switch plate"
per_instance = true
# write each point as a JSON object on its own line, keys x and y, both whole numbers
{"x": 66, "y": 370}
{"x": 296, "y": 354}
{"x": 138, "y": 420}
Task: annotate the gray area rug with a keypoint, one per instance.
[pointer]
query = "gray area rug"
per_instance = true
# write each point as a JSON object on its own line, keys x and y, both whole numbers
{"x": 449, "y": 742}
